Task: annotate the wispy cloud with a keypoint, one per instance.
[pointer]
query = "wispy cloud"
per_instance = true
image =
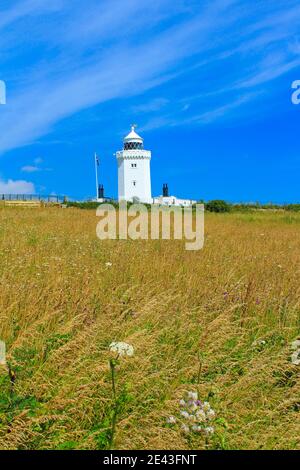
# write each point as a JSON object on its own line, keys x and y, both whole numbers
{"x": 30, "y": 169}
{"x": 35, "y": 167}
{"x": 206, "y": 117}
{"x": 269, "y": 72}
{"x": 218, "y": 112}
{"x": 125, "y": 48}
{"x": 24, "y": 8}
{"x": 153, "y": 105}
{"x": 124, "y": 70}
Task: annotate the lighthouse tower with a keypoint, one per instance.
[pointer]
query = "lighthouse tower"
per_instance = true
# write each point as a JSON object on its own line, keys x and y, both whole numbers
{"x": 134, "y": 181}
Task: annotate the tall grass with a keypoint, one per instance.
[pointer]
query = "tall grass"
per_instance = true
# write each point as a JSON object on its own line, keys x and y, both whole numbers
{"x": 220, "y": 319}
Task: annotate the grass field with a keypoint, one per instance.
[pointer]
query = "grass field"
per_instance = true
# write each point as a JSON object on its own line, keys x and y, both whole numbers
{"x": 219, "y": 321}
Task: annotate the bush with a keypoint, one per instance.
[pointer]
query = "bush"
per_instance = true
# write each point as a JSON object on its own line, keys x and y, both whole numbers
{"x": 217, "y": 206}
{"x": 293, "y": 207}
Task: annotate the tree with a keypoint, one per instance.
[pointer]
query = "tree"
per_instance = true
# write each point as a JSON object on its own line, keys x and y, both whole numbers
{"x": 217, "y": 205}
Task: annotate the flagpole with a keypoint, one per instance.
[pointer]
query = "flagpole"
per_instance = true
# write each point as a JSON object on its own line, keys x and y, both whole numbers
{"x": 96, "y": 172}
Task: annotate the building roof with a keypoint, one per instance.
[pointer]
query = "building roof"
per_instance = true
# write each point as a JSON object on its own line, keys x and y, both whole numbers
{"x": 133, "y": 136}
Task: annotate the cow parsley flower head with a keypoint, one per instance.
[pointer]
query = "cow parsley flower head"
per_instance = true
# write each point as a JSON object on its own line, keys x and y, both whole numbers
{"x": 121, "y": 348}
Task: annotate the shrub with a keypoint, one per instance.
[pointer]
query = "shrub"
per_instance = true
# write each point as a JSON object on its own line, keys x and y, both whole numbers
{"x": 293, "y": 207}
{"x": 218, "y": 206}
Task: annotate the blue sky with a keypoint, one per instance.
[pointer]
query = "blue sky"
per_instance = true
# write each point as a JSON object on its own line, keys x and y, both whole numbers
{"x": 207, "y": 81}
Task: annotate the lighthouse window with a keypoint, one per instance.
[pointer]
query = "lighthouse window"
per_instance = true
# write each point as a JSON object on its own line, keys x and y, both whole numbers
{"x": 134, "y": 183}
{"x": 133, "y": 165}
{"x": 133, "y": 146}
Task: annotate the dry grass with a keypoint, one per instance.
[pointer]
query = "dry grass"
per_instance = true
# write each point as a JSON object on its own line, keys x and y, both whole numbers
{"x": 61, "y": 306}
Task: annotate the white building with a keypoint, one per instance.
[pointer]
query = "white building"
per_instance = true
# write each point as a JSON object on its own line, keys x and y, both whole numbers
{"x": 134, "y": 180}
{"x": 173, "y": 201}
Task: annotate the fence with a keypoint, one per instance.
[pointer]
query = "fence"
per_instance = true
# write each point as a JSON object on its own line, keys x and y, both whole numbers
{"x": 32, "y": 197}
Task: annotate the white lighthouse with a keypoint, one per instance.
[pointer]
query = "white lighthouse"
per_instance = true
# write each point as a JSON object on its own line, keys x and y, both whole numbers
{"x": 134, "y": 180}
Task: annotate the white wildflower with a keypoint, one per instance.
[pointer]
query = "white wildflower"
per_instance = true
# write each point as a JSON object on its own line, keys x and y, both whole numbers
{"x": 206, "y": 406}
{"x": 295, "y": 344}
{"x": 295, "y": 358}
{"x": 185, "y": 428}
{"x": 209, "y": 430}
{"x": 121, "y": 348}
{"x": 192, "y": 405}
{"x": 210, "y": 414}
{"x": 196, "y": 416}
{"x": 201, "y": 416}
{"x": 192, "y": 395}
{"x": 171, "y": 420}
{"x": 192, "y": 418}
{"x": 196, "y": 428}
{"x": 108, "y": 264}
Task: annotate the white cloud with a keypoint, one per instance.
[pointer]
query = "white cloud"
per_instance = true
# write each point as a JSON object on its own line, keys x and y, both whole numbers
{"x": 269, "y": 72}
{"x": 16, "y": 187}
{"x": 29, "y": 169}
